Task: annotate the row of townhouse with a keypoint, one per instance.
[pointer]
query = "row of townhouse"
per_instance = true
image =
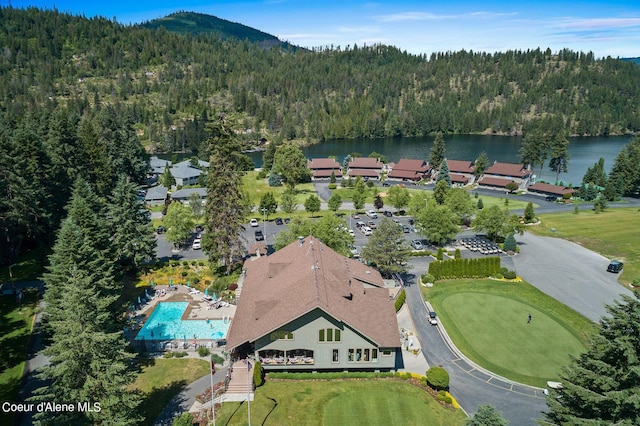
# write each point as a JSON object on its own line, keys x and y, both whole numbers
{"x": 497, "y": 176}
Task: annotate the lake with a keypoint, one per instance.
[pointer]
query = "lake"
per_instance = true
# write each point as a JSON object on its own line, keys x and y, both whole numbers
{"x": 583, "y": 151}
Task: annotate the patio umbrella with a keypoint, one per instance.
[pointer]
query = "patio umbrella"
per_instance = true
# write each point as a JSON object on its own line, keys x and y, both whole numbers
{"x": 153, "y": 284}
{"x": 188, "y": 283}
{"x": 214, "y": 296}
{"x": 206, "y": 291}
{"x": 139, "y": 301}
{"x": 170, "y": 281}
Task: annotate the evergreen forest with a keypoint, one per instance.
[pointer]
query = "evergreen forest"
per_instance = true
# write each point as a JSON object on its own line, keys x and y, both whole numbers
{"x": 86, "y": 97}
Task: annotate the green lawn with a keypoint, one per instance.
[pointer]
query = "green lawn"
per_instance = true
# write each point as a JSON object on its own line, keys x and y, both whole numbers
{"x": 16, "y": 321}
{"x": 487, "y": 321}
{"x": 161, "y": 379}
{"x": 613, "y": 233}
{"x": 257, "y": 187}
{"x": 341, "y": 402}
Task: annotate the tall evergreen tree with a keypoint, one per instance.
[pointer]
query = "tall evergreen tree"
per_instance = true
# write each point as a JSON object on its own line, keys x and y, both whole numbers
{"x": 440, "y": 191}
{"x": 596, "y": 174}
{"x": 626, "y": 169}
{"x": 438, "y": 150}
{"x": 384, "y": 250}
{"x": 481, "y": 164}
{"x": 166, "y": 179}
{"x": 486, "y": 416}
{"x": 559, "y": 154}
{"x": 131, "y": 230}
{"x": 601, "y": 386}
{"x": 227, "y": 205}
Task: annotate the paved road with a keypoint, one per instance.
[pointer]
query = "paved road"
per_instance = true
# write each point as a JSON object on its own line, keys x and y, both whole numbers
{"x": 567, "y": 272}
{"x": 471, "y": 386}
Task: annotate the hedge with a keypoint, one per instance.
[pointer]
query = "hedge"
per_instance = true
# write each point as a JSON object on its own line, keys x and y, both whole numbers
{"x": 258, "y": 374}
{"x": 465, "y": 268}
{"x": 335, "y": 375}
{"x": 400, "y": 300}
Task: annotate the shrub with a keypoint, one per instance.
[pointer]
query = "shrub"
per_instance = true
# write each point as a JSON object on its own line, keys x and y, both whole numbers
{"x": 442, "y": 396}
{"x": 185, "y": 264}
{"x": 168, "y": 354}
{"x": 428, "y": 278}
{"x": 258, "y": 374}
{"x": 184, "y": 273}
{"x": 232, "y": 287}
{"x": 333, "y": 186}
{"x": 440, "y": 256}
{"x": 400, "y": 300}
{"x": 510, "y": 243}
{"x": 438, "y": 378}
{"x": 203, "y": 351}
{"x": 457, "y": 254}
{"x": 510, "y": 275}
{"x": 217, "y": 359}
{"x": 179, "y": 354}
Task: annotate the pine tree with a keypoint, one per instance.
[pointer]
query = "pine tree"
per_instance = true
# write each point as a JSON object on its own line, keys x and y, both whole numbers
{"x": 443, "y": 173}
{"x": 166, "y": 179}
{"x": 481, "y": 164}
{"x": 227, "y": 205}
{"x": 131, "y": 230}
{"x": 510, "y": 243}
{"x": 384, "y": 250}
{"x": 601, "y": 385}
{"x": 559, "y": 155}
{"x": 378, "y": 202}
{"x": 438, "y": 150}
{"x": 440, "y": 192}
{"x": 529, "y": 214}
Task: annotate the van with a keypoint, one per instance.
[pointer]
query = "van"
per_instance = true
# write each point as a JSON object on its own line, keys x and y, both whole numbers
{"x": 615, "y": 266}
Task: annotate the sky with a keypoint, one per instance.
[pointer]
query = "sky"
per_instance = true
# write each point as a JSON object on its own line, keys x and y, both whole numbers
{"x": 606, "y": 28}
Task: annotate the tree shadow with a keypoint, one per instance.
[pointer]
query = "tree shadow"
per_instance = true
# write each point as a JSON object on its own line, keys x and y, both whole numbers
{"x": 275, "y": 405}
{"x": 163, "y": 400}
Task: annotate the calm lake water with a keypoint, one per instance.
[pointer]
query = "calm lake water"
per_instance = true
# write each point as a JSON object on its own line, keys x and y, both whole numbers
{"x": 583, "y": 151}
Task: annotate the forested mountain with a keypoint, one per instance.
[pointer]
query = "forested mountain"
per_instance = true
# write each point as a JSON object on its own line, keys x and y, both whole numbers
{"x": 78, "y": 95}
{"x": 200, "y": 23}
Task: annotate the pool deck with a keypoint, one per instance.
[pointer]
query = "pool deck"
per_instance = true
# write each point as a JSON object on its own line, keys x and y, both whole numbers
{"x": 198, "y": 308}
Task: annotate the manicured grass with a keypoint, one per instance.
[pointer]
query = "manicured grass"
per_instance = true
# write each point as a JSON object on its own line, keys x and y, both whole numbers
{"x": 487, "y": 321}
{"x": 613, "y": 233}
{"x": 161, "y": 379}
{"x": 16, "y": 323}
{"x": 257, "y": 187}
{"x": 514, "y": 202}
{"x": 341, "y": 402}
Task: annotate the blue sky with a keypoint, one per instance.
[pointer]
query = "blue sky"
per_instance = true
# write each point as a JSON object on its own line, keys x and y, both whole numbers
{"x": 607, "y": 28}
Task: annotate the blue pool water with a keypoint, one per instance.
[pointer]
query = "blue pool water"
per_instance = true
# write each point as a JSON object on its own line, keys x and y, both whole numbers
{"x": 165, "y": 323}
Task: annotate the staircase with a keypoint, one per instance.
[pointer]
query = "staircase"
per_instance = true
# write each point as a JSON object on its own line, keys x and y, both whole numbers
{"x": 241, "y": 383}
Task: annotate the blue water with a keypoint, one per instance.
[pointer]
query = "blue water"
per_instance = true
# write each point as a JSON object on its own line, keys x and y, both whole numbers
{"x": 165, "y": 323}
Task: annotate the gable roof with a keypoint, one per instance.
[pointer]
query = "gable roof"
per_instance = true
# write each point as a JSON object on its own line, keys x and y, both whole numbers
{"x": 412, "y": 165}
{"x": 461, "y": 166}
{"x": 547, "y": 188}
{"x": 323, "y": 163}
{"x": 508, "y": 169}
{"x": 365, "y": 163}
{"x": 184, "y": 193}
{"x": 364, "y": 172}
{"x": 495, "y": 181}
{"x": 458, "y": 178}
{"x": 185, "y": 171}
{"x": 158, "y": 192}
{"x": 305, "y": 276}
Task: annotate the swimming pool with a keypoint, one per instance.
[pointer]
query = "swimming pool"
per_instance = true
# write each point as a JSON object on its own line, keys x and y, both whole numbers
{"x": 165, "y": 323}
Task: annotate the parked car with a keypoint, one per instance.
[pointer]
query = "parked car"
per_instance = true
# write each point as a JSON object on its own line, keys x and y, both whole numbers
{"x": 160, "y": 229}
{"x": 551, "y": 198}
{"x": 355, "y": 252}
{"x": 387, "y": 213}
{"x": 197, "y": 244}
{"x": 279, "y": 221}
{"x": 417, "y": 244}
{"x": 351, "y": 232}
{"x": 199, "y": 228}
{"x": 405, "y": 229}
{"x": 366, "y": 231}
{"x": 372, "y": 214}
{"x": 287, "y": 220}
{"x": 386, "y": 184}
{"x": 254, "y": 223}
{"x": 433, "y": 318}
{"x": 371, "y": 224}
{"x": 615, "y": 266}
{"x": 259, "y": 236}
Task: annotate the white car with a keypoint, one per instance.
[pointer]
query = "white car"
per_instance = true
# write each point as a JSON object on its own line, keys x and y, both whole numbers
{"x": 197, "y": 244}
{"x": 352, "y": 232}
{"x": 254, "y": 223}
{"x": 366, "y": 231}
{"x": 372, "y": 214}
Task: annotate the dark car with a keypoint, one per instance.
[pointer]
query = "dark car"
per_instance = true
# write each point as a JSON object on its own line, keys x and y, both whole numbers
{"x": 259, "y": 236}
{"x": 387, "y": 213}
{"x": 615, "y": 266}
{"x": 551, "y": 198}
{"x": 279, "y": 221}
{"x": 160, "y": 229}
{"x": 287, "y": 220}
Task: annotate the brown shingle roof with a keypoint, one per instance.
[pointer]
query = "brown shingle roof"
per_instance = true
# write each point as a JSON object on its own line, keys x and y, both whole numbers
{"x": 323, "y": 163}
{"x": 326, "y": 173}
{"x": 405, "y": 174}
{"x": 303, "y": 277}
{"x": 460, "y": 166}
{"x": 364, "y": 172}
{"x": 547, "y": 188}
{"x": 412, "y": 165}
{"x": 458, "y": 178}
{"x": 492, "y": 181}
{"x": 508, "y": 169}
{"x": 365, "y": 163}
